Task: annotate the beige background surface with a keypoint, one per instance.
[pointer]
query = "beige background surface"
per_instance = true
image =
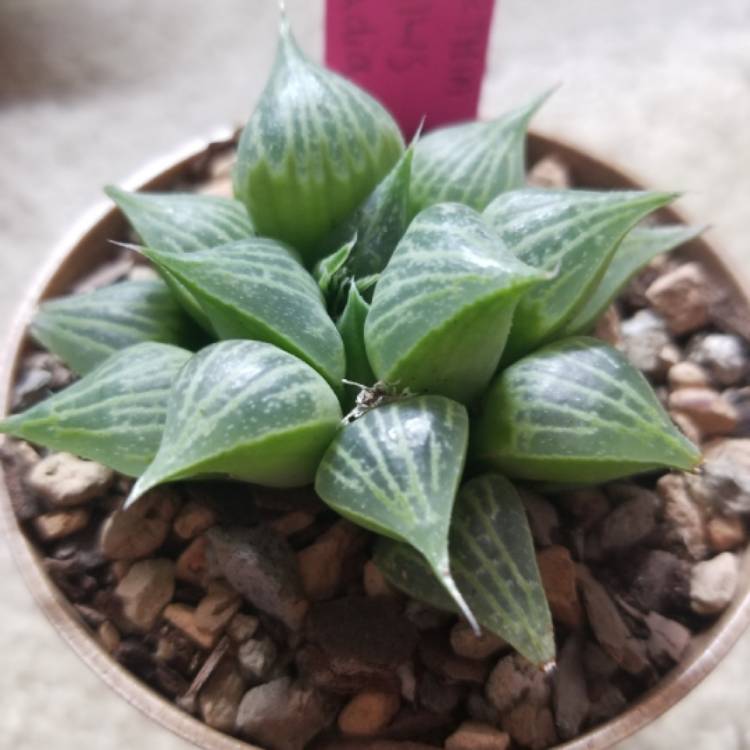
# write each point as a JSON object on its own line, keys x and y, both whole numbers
{"x": 90, "y": 90}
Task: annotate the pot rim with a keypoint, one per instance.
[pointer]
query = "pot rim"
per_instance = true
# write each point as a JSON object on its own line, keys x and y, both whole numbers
{"x": 706, "y": 651}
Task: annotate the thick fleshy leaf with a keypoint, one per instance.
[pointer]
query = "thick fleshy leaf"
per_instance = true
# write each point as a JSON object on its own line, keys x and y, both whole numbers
{"x": 255, "y": 288}
{"x": 84, "y": 329}
{"x": 576, "y": 411}
{"x": 329, "y": 272}
{"x": 380, "y": 222}
{"x": 351, "y": 326}
{"x": 114, "y": 415}
{"x": 571, "y": 234}
{"x": 443, "y": 306}
{"x": 396, "y": 469}
{"x": 183, "y": 223}
{"x": 493, "y": 563}
{"x": 638, "y": 248}
{"x": 473, "y": 162}
{"x": 248, "y": 410}
{"x": 314, "y": 149}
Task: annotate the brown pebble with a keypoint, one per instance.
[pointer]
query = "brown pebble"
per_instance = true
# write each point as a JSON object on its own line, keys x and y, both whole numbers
{"x": 145, "y": 591}
{"x": 713, "y": 584}
{"x": 609, "y": 327}
{"x": 549, "y": 172}
{"x": 687, "y": 375}
{"x": 687, "y": 427}
{"x": 368, "y": 713}
{"x": 571, "y": 700}
{"x": 64, "y": 480}
{"x": 439, "y": 658}
{"x": 531, "y": 726}
{"x": 193, "y": 519}
{"x": 241, "y": 627}
{"x": 668, "y": 640}
{"x": 322, "y": 564}
{"x": 293, "y": 522}
{"x": 140, "y": 530}
{"x": 726, "y": 534}
{"x": 682, "y": 517}
{"x": 220, "y": 697}
{"x": 58, "y": 525}
{"x": 709, "y": 410}
{"x": 465, "y": 642}
{"x": 588, "y": 505}
{"x": 474, "y": 735}
{"x": 514, "y": 679}
{"x": 557, "y": 571}
{"x": 681, "y": 296}
{"x": 375, "y": 583}
{"x": 217, "y": 608}
{"x": 183, "y": 618}
{"x": 544, "y": 520}
{"x": 192, "y": 564}
{"x": 108, "y": 636}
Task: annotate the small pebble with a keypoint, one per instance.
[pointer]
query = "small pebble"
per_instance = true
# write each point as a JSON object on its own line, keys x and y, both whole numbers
{"x": 64, "y": 480}
{"x": 681, "y": 296}
{"x": 474, "y": 735}
{"x": 58, "y": 525}
{"x": 368, "y": 713}
{"x": 713, "y": 584}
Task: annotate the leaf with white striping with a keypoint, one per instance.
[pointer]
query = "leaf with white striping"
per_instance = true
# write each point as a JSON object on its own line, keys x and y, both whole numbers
{"x": 183, "y": 223}
{"x": 638, "y": 248}
{"x": 313, "y": 150}
{"x": 84, "y": 329}
{"x": 351, "y": 326}
{"x": 248, "y": 410}
{"x": 473, "y": 162}
{"x": 571, "y": 234}
{"x": 576, "y": 411}
{"x": 380, "y": 222}
{"x": 493, "y": 563}
{"x": 395, "y": 471}
{"x": 330, "y": 272}
{"x": 257, "y": 289}
{"x": 115, "y": 414}
{"x": 443, "y": 306}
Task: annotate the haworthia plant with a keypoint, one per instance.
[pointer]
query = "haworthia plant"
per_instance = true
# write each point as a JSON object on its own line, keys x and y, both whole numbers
{"x": 493, "y": 562}
{"x": 113, "y": 415}
{"x": 638, "y": 248}
{"x": 183, "y": 223}
{"x": 471, "y": 163}
{"x": 444, "y": 304}
{"x": 313, "y": 150}
{"x": 571, "y": 234}
{"x": 256, "y": 288}
{"x": 265, "y": 416}
{"x": 84, "y": 329}
{"x": 452, "y": 321}
{"x": 396, "y": 471}
{"x": 576, "y": 411}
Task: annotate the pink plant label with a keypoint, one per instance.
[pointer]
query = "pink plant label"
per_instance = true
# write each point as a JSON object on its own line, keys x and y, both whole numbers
{"x": 420, "y": 58}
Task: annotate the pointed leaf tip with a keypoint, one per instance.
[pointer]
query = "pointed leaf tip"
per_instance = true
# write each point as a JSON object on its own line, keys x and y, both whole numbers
{"x": 395, "y": 471}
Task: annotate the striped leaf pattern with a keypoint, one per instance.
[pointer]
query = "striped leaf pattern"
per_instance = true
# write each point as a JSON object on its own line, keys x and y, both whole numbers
{"x": 443, "y": 306}
{"x": 638, "y": 249}
{"x": 351, "y": 326}
{"x": 493, "y": 563}
{"x": 114, "y": 415}
{"x": 313, "y": 150}
{"x": 473, "y": 162}
{"x": 396, "y": 470}
{"x": 248, "y": 410}
{"x": 84, "y": 329}
{"x": 183, "y": 223}
{"x": 571, "y": 234}
{"x": 256, "y": 288}
{"x": 380, "y": 222}
{"x": 576, "y": 411}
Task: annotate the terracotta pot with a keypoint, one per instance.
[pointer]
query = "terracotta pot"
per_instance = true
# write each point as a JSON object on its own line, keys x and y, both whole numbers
{"x": 82, "y": 250}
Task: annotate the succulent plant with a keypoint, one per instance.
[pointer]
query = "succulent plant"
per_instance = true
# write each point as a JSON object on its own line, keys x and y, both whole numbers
{"x": 423, "y": 290}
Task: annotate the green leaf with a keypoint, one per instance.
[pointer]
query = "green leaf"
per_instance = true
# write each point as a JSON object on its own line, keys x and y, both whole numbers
{"x": 380, "y": 222}
{"x": 113, "y": 415}
{"x": 472, "y": 162}
{"x": 313, "y": 150}
{"x": 443, "y": 306}
{"x": 576, "y": 411}
{"x": 351, "y": 326}
{"x": 247, "y": 410}
{"x": 571, "y": 234}
{"x": 493, "y": 563}
{"x": 183, "y": 223}
{"x": 395, "y": 471}
{"x": 84, "y": 329}
{"x": 328, "y": 272}
{"x": 638, "y": 249}
{"x": 255, "y": 288}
